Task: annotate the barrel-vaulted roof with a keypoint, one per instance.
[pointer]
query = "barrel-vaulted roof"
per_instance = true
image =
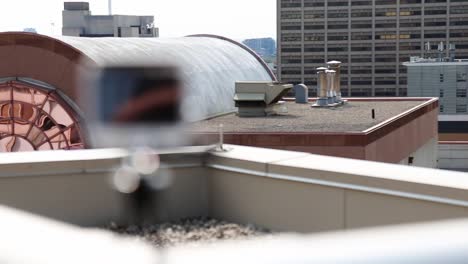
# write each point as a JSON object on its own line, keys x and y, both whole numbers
{"x": 210, "y": 65}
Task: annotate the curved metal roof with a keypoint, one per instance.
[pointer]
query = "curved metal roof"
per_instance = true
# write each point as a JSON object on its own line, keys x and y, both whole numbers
{"x": 210, "y": 65}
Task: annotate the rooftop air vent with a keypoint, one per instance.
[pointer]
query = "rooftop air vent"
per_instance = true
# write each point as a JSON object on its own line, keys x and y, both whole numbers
{"x": 259, "y": 98}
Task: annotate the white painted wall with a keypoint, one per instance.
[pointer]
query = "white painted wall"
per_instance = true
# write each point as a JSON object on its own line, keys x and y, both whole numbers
{"x": 453, "y": 156}
{"x": 426, "y": 156}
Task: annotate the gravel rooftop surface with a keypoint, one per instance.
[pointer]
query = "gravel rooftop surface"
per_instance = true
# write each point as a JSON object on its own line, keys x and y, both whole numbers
{"x": 189, "y": 231}
{"x": 352, "y": 117}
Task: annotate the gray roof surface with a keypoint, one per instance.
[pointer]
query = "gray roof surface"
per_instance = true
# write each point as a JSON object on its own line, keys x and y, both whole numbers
{"x": 209, "y": 65}
{"x": 352, "y": 117}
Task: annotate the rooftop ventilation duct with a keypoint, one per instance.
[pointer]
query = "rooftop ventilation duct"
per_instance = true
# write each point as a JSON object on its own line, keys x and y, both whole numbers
{"x": 322, "y": 87}
{"x": 259, "y": 98}
{"x": 336, "y": 66}
{"x": 329, "y": 85}
{"x": 451, "y": 52}
{"x": 331, "y": 96}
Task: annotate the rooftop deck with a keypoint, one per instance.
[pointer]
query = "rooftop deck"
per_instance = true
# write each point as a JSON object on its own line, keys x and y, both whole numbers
{"x": 355, "y": 116}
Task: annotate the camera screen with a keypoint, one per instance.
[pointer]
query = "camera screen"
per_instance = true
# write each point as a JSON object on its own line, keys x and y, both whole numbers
{"x": 138, "y": 95}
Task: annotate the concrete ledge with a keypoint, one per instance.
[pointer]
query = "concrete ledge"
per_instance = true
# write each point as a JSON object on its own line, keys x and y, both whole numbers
{"x": 305, "y": 167}
{"x": 76, "y": 186}
{"x": 313, "y": 193}
{"x": 281, "y": 190}
{"x": 59, "y": 162}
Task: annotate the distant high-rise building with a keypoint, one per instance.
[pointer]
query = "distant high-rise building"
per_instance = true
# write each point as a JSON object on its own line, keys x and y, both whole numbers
{"x": 265, "y": 47}
{"x": 447, "y": 80}
{"x": 30, "y": 30}
{"x": 371, "y": 37}
{"x": 78, "y": 22}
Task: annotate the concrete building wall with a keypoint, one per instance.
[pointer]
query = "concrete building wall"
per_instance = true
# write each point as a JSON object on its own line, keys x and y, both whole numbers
{"x": 100, "y": 25}
{"x": 72, "y": 31}
{"x": 372, "y": 38}
{"x": 417, "y": 139}
{"x": 425, "y": 156}
{"x": 453, "y": 156}
{"x": 446, "y": 80}
{"x": 75, "y": 18}
{"x": 129, "y": 32}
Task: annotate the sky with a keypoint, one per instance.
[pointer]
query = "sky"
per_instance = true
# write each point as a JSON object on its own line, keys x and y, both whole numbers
{"x": 237, "y": 19}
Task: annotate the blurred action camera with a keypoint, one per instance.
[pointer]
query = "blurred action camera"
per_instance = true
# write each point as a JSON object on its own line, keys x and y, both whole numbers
{"x": 135, "y": 106}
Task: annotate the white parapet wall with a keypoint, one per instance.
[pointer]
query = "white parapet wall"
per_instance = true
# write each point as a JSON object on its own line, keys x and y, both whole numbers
{"x": 292, "y": 191}
{"x": 278, "y": 190}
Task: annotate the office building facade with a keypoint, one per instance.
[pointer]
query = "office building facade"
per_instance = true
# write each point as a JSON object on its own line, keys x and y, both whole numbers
{"x": 371, "y": 37}
{"x": 446, "y": 80}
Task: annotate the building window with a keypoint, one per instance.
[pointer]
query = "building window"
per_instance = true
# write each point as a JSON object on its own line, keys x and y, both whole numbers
{"x": 461, "y": 77}
{"x": 441, "y": 108}
{"x": 290, "y": 3}
{"x": 441, "y": 93}
{"x": 461, "y": 92}
{"x": 461, "y": 108}
{"x": 441, "y": 77}
{"x": 34, "y": 119}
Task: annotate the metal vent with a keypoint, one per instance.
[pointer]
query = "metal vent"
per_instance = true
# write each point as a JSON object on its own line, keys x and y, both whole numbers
{"x": 259, "y": 98}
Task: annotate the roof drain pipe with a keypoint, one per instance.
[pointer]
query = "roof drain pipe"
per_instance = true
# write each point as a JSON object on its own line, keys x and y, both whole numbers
{"x": 322, "y": 88}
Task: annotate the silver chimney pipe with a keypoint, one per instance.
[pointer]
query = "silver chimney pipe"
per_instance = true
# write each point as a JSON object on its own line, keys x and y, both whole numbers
{"x": 336, "y": 66}
{"x": 440, "y": 49}
{"x": 110, "y": 7}
{"x": 452, "y": 52}
{"x": 322, "y": 86}
{"x": 331, "y": 86}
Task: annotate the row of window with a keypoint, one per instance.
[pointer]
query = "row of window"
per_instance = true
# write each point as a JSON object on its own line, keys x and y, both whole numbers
{"x": 366, "y": 24}
{"x": 360, "y": 13}
{"x": 320, "y": 3}
{"x": 295, "y": 37}
{"x": 365, "y": 59}
{"x": 460, "y": 93}
{"x": 459, "y": 108}
{"x": 353, "y": 48}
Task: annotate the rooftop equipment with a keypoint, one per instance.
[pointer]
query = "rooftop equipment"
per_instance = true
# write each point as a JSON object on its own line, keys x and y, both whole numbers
{"x": 427, "y": 49}
{"x": 330, "y": 87}
{"x": 452, "y": 52}
{"x": 259, "y": 98}
{"x": 441, "y": 49}
{"x": 302, "y": 93}
{"x": 322, "y": 87}
{"x": 336, "y": 66}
